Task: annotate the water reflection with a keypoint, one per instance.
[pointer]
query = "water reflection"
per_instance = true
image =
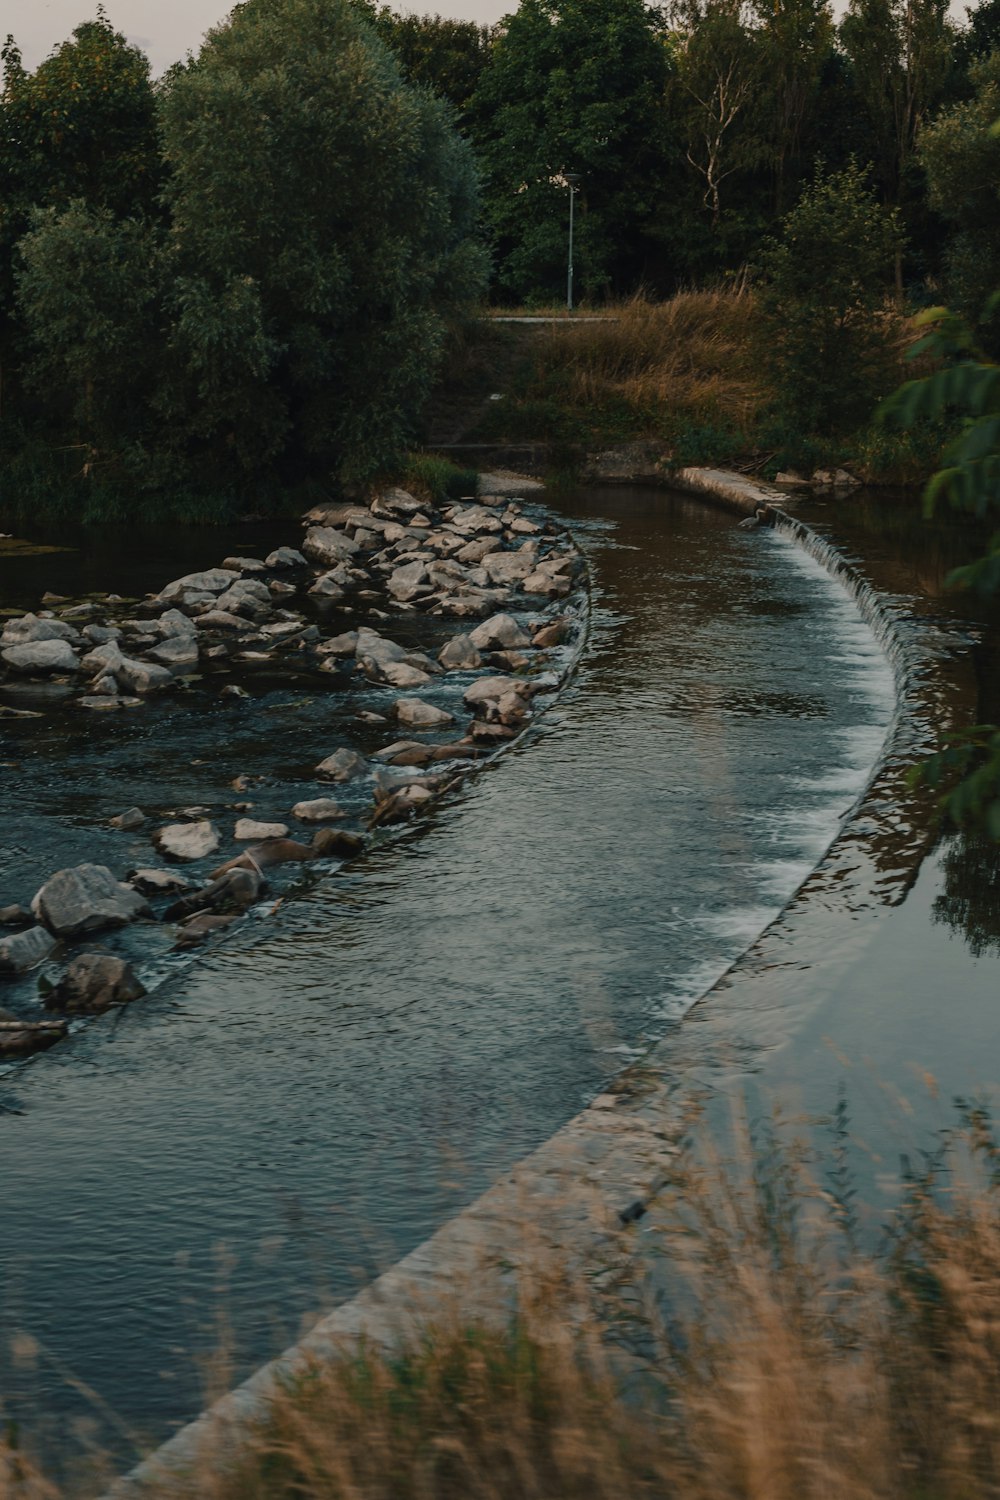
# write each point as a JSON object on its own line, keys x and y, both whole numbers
{"x": 970, "y": 900}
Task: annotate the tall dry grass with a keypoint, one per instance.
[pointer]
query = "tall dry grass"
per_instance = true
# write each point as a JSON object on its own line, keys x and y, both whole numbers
{"x": 757, "y": 1341}
{"x": 692, "y": 356}
{"x": 764, "y": 1353}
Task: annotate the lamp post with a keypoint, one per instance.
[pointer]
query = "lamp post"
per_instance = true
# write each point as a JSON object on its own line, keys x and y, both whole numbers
{"x": 572, "y": 180}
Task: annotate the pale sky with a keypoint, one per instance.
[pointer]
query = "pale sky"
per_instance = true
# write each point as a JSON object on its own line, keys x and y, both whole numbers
{"x": 166, "y": 32}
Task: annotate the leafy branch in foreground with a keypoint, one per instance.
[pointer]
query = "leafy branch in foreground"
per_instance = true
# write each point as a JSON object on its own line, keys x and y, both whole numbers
{"x": 966, "y": 386}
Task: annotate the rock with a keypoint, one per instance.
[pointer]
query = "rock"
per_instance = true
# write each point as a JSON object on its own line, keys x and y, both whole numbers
{"x": 245, "y": 589}
{"x": 42, "y": 656}
{"x": 317, "y": 810}
{"x": 184, "y": 841}
{"x": 553, "y": 634}
{"x": 844, "y": 477}
{"x": 474, "y": 520}
{"x": 395, "y": 502}
{"x": 278, "y": 588}
{"x": 285, "y": 557}
{"x": 490, "y": 689}
{"x": 408, "y": 581}
{"x": 199, "y": 928}
{"x": 339, "y": 645}
{"x": 234, "y": 890}
{"x": 487, "y": 733}
{"x": 220, "y": 619}
{"x": 99, "y": 635}
{"x": 400, "y": 805}
{"x": 510, "y": 567}
{"x": 336, "y": 843}
{"x": 25, "y": 1037}
{"x": 509, "y": 661}
{"x": 326, "y": 587}
{"x": 499, "y": 632}
{"x": 104, "y": 658}
{"x": 15, "y": 916}
{"x": 521, "y": 526}
{"x": 212, "y": 581}
{"x": 342, "y": 765}
{"x": 108, "y": 702}
{"x": 30, "y": 629}
{"x": 475, "y": 551}
{"x": 823, "y": 477}
{"x": 417, "y": 714}
{"x": 243, "y": 564}
{"x": 233, "y": 690}
{"x": 172, "y": 623}
{"x": 128, "y": 821}
{"x": 248, "y": 829}
{"x": 94, "y": 982}
{"x": 548, "y": 585}
{"x": 158, "y": 882}
{"x": 262, "y": 856}
{"x": 325, "y": 546}
{"x": 459, "y": 654}
{"x": 179, "y": 653}
{"x": 790, "y": 477}
{"x": 144, "y": 677}
{"x": 406, "y": 753}
{"x": 86, "y": 899}
{"x": 105, "y": 686}
{"x": 395, "y": 673}
{"x": 23, "y": 950}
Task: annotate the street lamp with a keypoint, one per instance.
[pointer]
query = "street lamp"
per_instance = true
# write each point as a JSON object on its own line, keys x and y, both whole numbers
{"x": 572, "y": 181}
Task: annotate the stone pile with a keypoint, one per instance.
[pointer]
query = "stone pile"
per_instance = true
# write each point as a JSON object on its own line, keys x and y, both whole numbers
{"x": 500, "y": 573}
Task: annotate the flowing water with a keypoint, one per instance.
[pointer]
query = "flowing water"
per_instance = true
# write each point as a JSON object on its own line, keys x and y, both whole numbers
{"x": 276, "y": 1123}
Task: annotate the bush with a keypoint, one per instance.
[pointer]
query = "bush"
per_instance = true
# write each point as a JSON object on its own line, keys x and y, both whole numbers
{"x": 829, "y": 343}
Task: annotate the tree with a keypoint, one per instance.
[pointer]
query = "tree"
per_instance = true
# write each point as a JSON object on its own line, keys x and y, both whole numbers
{"x": 966, "y": 385}
{"x": 573, "y": 86}
{"x": 82, "y": 126}
{"x": 797, "y": 39}
{"x": 960, "y": 153}
{"x": 320, "y": 227}
{"x": 435, "y": 52}
{"x": 718, "y": 75}
{"x": 902, "y": 53}
{"x": 825, "y": 282}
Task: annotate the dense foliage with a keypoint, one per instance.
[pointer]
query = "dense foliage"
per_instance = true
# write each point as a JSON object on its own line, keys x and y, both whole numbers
{"x": 236, "y": 281}
{"x": 276, "y": 315}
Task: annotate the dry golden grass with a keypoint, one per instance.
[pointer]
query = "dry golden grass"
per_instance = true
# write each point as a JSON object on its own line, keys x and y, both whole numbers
{"x": 762, "y": 1346}
{"x": 693, "y": 355}
{"x": 772, "y": 1359}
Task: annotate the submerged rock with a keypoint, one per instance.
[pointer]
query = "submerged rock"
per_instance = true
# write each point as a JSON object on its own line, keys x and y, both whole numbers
{"x": 93, "y": 983}
{"x": 342, "y": 765}
{"x": 128, "y": 821}
{"x": 87, "y": 899}
{"x": 23, "y": 950}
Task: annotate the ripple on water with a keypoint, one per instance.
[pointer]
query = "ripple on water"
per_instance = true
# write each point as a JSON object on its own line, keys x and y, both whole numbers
{"x": 374, "y": 1055}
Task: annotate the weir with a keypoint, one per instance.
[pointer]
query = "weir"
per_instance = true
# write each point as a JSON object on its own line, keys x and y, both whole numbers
{"x": 576, "y": 1194}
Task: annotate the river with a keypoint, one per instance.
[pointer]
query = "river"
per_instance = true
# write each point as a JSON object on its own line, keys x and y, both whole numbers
{"x": 188, "y": 1180}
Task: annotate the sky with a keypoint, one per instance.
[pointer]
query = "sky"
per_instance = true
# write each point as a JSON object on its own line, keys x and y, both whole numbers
{"x": 167, "y": 30}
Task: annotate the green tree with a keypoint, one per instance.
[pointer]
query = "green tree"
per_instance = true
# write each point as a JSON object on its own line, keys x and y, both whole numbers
{"x": 573, "y": 86}
{"x": 797, "y": 40}
{"x": 718, "y": 75}
{"x": 961, "y": 156}
{"x": 320, "y": 230}
{"x": 436, "y": 52}
{"x": 825, "y": 283}
{"x": 902, "y": 56}
{"x": 81, "y": 126}
{"x": 964, "y": 388}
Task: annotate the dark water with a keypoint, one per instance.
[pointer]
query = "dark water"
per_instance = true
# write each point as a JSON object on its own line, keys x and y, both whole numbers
{"x": 267, "y": 1130}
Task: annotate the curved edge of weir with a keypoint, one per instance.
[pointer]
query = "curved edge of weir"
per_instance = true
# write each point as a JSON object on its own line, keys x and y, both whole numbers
{"x": 576, "y": 1195}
